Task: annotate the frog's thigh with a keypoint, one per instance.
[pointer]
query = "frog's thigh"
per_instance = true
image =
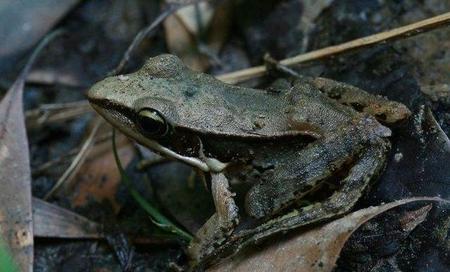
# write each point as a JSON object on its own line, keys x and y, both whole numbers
{"x": 295, "y": 178}
{"x": 345, "y": 93}
{"x": 375, "y": 105}
{"x": 369, "y": 165}
{"x": 312, "y": 110}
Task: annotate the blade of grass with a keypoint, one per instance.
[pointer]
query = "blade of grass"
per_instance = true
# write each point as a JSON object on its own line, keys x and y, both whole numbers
{"x": 157, "y": 218}
{"x": 6, "y": 261}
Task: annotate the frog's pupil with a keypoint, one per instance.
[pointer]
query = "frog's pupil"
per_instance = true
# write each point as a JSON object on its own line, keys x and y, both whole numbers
{"x": 152, "y": 123}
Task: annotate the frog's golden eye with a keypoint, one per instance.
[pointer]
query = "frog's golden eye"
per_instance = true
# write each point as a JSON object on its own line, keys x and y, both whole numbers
{"x": 152, "y": 123}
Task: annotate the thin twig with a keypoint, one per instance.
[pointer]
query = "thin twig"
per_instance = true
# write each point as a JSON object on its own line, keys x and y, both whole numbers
{"x": 393, "y": 34}
{"x": 76, "y": 163}
{"x": 60, "y": 159}
{"x": 170, "y": 9}
{"x": 62, "y": 106}
{"x": 58, "y": 112}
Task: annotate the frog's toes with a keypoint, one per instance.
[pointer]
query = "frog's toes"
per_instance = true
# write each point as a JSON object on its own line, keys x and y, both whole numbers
{"x": 371, "y": 126}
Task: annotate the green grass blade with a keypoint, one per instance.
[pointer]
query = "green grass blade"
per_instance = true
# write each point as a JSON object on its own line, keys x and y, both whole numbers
{"x": 6, "y": 261}
{"x": 157, "y": 218}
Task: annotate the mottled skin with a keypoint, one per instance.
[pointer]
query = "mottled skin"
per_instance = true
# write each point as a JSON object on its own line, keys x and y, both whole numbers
{"x": 285, "y": 143}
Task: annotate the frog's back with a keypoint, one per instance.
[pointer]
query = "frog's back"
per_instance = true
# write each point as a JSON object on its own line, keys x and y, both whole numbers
{"x": 202, "y": 103}
{"x": 224, "y": 109}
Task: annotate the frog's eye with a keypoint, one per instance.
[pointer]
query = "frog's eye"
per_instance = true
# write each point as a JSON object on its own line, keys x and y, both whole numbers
{"x": 152, "y": 123}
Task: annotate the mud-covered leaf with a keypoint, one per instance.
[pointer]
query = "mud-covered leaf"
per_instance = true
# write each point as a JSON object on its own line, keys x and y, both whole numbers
{"x": 313, "y": 250}
{"x": 51, "y": 221}
{"x": 181, "y": 35}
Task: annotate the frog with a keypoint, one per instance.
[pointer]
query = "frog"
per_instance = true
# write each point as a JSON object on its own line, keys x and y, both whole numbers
{"x": 284, "y": 143}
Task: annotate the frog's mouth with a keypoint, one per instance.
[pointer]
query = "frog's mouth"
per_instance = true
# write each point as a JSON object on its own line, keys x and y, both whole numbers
{"x": 119, "y": 119}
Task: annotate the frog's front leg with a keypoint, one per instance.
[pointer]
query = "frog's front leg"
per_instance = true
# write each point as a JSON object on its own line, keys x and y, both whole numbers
{"x": 383, "y": 109}
{"x": 219, "y": 226}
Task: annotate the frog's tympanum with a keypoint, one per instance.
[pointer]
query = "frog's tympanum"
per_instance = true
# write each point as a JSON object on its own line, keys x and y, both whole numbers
{"x": 285, "y": 144}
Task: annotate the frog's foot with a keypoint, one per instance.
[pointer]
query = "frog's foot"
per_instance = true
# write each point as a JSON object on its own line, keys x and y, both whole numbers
{"x": 215, "y": 231}
{"x": 384, "y": 110}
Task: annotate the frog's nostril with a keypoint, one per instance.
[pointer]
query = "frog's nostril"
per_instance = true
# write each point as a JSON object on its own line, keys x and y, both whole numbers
{"x": 101, "y": 90}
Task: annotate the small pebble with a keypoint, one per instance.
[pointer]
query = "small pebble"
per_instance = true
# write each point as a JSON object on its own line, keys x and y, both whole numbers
{"x": 398, "y": 157}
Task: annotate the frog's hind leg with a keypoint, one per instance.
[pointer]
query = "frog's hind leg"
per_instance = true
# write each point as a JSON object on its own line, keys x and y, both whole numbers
{"x": 369, "y": 165}
{"x": 381, "y": 108}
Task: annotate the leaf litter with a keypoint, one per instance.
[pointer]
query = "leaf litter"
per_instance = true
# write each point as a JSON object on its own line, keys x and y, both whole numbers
{"x": 413, "y": 226}
{"x": 15, "y": 175}
{"x": 319, "y": 248}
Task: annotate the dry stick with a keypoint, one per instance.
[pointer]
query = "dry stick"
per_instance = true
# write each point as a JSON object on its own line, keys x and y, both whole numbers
{"x": 62, "y": 106}
{"x": 146, "y": 31}
{"x": 76, "y": 163}
{"x": 396, "y": 33}
{"x": 64, "y": 115}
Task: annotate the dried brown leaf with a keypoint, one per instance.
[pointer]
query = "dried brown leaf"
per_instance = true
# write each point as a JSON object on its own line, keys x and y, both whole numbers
{"x": 99, "y": 179}
{"x": 412, "y": 219}
{"x": 314, "y": 250}
{"x": 15, "y": 178}
{"x": 195, "y": 17}
{"x": 185, "y": 28}
{"x": 181, "y": 42}
{"x": 73, "y": 168}
{"x": 15, "y": 175}
{"x": 52, "y": 221}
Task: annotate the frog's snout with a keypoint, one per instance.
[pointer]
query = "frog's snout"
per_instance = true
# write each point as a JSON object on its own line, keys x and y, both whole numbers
{"x": 97, "y": 91}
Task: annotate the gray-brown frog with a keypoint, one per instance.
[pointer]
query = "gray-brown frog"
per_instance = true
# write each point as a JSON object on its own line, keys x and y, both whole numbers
{"x": 284, "y": 145}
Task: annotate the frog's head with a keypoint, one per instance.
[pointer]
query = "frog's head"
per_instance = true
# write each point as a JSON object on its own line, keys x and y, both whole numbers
{"x": 150, "y": 106}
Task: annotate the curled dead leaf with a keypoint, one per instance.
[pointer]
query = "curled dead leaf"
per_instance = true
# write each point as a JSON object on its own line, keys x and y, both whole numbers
{"x": 314, "y": 250}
